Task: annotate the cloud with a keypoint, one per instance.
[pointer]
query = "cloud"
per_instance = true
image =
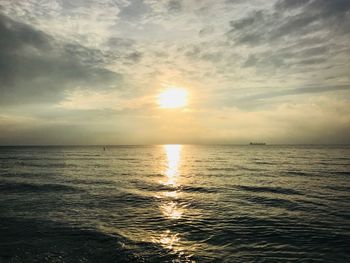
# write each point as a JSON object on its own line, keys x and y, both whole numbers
{"x": 136, "y": 9}
{"x": 175, "y": 5}
{"x": 206, "y": 31}
{"x": 297, "y": 41}
{"x": 85, "y": 22}
{"x": 287, "y": 5}
{"x": 289, "y": 92}
{"x": 251, "y": 67}
{"x": 134, "y": 56}
{"x": 35, "y": 68}
{"x": 304, "y": 18}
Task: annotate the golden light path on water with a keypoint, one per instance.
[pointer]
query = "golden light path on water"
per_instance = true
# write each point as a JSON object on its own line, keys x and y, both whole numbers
{"x": 173, "y": 152}
{"x": 170, "y": 208}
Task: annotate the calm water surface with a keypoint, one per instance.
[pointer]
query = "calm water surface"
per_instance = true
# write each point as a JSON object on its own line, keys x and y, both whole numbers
{"x": 175, "y": 203}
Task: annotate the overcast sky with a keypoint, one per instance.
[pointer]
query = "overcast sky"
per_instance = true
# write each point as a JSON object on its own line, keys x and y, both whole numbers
{"x": 89, "y": 72}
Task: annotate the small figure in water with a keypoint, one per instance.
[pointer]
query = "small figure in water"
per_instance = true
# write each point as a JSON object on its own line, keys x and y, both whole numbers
{"x": 104, "y": 148}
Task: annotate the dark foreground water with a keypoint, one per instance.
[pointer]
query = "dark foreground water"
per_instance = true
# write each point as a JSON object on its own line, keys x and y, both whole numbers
{"x": 175, "y": 204}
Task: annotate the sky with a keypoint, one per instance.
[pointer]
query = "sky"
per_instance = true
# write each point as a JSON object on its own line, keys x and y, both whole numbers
{"x": 89, "y": 72}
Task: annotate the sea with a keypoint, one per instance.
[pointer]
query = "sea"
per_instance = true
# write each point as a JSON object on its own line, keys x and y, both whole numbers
{"x": 175, "y": 203}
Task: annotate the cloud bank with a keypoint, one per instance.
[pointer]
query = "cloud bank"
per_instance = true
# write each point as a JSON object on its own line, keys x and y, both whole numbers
{"x": 88, "y": 72}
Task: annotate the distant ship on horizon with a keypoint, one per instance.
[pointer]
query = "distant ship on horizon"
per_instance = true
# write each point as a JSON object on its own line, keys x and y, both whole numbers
{"x": 257, "y": 143}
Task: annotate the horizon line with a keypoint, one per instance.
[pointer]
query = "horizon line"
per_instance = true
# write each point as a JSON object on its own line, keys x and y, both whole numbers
{"x": 161, "y": 144}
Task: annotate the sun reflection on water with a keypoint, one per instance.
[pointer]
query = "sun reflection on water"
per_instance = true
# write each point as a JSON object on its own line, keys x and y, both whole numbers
{"x": 170, "y": 208}
{"x": 168, "y": 239}
{"x": 173, "y": 154}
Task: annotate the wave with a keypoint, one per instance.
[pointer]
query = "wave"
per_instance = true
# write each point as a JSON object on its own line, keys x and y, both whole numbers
{"x": 30, "y": 187}
{"x": 91, "y": 181}
{"x": 345, "y": 173}
{"x": 264, "y": 162}
{"x": 299, "y": 173}
{"x": 339, "y": 188}
{"x": 200, "y": 189}
{"x": 259, "y": 238}
{"x": 235, "y": 169}
{"x": 48, "y": 241}
{"x": 127, "y": 159}
{"x": 276, "y": 202}
{"x": 127, "y": 199}
{"x": 154, "y": 187}
{"x": 46, "y": 164}
{"x": 151, "y": 186}
{"x": 265, "y": 189}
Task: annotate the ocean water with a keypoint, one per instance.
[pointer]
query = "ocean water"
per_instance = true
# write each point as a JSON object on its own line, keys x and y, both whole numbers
{"x": 174, "y": 203}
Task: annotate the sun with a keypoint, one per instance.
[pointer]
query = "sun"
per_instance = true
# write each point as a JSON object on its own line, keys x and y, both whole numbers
{"x": 173, "y": 98}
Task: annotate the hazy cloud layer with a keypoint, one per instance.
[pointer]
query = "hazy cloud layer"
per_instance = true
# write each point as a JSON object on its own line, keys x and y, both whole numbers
{"x": 268, "y": 70}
